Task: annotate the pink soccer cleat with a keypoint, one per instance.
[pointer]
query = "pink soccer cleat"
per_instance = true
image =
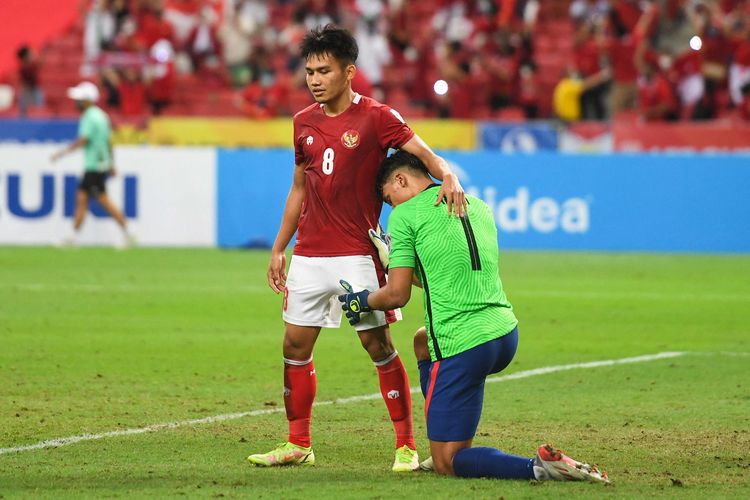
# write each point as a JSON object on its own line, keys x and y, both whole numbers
{"x": 552, "y": 463}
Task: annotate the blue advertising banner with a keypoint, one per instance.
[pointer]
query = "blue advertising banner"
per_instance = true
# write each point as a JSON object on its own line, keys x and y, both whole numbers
{"x": 614, "y": 202}
{"x": 252, "y": 186}
{"x": 518, "y": 137}
{"x": 37, "y": 130}
{"x": 544, "y": 201}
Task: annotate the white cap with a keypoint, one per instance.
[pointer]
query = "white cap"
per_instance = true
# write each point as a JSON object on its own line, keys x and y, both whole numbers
{"x": 84, "y": 91}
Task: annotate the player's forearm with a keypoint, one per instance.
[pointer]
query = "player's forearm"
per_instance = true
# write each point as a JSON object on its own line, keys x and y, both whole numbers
{"x": 386, "y": 298}
{"x": 597, "y": 79}
{"x": 438, "y": 167}
{"x": 290, "y": 219}
{"x": 396, "y": 293}
{"x": 80, "y": 142}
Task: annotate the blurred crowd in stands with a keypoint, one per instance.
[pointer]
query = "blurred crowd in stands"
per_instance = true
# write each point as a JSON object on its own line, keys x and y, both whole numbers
{"x": 480, "y": 59}
{"x": 670, "y": 59}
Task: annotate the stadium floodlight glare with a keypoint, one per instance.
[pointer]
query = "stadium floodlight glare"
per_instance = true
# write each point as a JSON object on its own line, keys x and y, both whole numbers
{"x": 696, "y": 43}
{"x": 440, "y": 87}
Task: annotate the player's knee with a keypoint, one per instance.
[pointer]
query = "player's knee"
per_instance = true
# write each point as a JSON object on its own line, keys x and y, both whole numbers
{"x": 377, "y": 344}
{"x": 295, "y": 348}
{"x": 378, "y": 349}
{"x": 421, "y": 350}
{"x": 443, "y": 465}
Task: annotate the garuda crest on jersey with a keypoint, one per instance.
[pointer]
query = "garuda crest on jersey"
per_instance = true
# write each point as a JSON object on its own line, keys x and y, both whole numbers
{"x": 350, "y": 139}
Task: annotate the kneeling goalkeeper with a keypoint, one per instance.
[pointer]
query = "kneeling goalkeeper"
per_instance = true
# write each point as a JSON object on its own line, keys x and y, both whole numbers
{"x": 470, "y": 330}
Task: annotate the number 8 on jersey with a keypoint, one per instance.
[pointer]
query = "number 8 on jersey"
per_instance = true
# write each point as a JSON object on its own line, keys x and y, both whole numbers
{"x": 328, "y": 161}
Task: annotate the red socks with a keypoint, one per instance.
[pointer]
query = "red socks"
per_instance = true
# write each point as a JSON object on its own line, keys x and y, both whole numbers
{"x": 394, "y": 386}
{"x": 300, "y": 383}
{"x": 299, "y": 393}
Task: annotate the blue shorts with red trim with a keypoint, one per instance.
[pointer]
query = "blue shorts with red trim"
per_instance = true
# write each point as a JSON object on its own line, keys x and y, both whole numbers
{"x": 454, "y": 387}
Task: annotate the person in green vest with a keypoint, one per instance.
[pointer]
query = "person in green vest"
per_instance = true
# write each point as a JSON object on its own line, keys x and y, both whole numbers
{"x": 95, "y": 137}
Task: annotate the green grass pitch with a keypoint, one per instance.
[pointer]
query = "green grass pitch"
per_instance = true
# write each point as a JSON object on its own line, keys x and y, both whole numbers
{"x": 95, "y": 340}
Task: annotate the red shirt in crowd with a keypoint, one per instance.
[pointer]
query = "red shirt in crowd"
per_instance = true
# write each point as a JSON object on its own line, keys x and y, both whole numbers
{"x": 152, "y": 28}
{"x": 28, "y": 74}
{"x": 629, "y": 11}
{"x": 688, "y": 63}
{"x": 132, "y": 98}
{"x": 657, "y": 97}
{"x": 742, "y": 53}
{"x": 162, "y": 87}
{"x": 586, "y": 56}
{"x": 621, "y": 55}
{"x": 744, "y": 108}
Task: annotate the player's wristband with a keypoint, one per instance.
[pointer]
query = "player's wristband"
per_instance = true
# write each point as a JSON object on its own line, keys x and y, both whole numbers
{"x": 363, "y": 302}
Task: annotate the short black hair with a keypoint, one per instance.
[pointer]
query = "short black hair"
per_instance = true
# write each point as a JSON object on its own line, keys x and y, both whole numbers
{"x": 23, "y": 52}
{"x": 399, "y": 159}
{"x": 332, "y": 40}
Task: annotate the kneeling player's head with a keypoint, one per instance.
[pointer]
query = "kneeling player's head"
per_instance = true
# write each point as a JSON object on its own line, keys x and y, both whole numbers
{"x": 401, "y": 177}
{"x": 329, "y": 53}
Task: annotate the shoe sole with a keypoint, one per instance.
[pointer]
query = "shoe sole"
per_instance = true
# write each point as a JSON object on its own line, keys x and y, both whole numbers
{"x": 400, "y": 470}
{"x": 308, "y": 459}
{"x": 581, "y": 471}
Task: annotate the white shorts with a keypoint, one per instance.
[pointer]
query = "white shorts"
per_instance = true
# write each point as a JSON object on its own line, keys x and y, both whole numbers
{"x": 312, "y": 290}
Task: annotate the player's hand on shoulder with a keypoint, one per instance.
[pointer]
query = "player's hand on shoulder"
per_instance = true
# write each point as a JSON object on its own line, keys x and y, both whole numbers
{"x": 277, "y": 272}
{"x": 354, "y": 303}
{"x": 453, "y": 193}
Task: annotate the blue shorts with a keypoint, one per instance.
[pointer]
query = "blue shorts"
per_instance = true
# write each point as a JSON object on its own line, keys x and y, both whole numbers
{"x": 454, "y": 387}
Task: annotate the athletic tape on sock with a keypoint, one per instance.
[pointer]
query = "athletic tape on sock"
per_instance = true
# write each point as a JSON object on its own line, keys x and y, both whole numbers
{"x": 386, "y": 360}
{"x": 294, "y": 362}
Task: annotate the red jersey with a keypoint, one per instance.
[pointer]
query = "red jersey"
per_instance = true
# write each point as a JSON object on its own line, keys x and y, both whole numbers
{"x": 586, "y": 56}
{"x": 654, "y": 93}
{"x": 621, "y": 54}
{"x": 132, "y": 98}
{"x": 341, "y": 156}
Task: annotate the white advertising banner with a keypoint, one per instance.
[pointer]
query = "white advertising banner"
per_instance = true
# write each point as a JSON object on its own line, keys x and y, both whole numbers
{"x": 168, "y": 196}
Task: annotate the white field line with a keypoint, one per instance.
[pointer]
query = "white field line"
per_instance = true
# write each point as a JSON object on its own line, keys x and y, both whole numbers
{"x": 54, "y": 443}
{"x": 96, "y": 288}
{"x": 731, "y": 354}
{"x": 574, "y": 294}
{"x": 641, "y": 295}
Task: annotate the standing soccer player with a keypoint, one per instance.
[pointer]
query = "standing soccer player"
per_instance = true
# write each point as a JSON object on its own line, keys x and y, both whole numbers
{"x": 339, "y": 143}
{"x": 471, "y": 331}
{"x": 95, "y": 137}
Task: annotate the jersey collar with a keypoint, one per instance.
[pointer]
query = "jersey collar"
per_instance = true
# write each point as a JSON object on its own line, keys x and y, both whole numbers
{"x": 357, "y": 98}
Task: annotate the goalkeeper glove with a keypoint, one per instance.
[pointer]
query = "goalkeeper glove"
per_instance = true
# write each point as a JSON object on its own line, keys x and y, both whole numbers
{"x": 354, "y": 304}
{"x": 382, "y": 242}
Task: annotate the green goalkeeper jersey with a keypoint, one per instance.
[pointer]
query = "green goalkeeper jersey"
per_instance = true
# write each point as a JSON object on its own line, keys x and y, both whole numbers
{"x": 456, "y": 259}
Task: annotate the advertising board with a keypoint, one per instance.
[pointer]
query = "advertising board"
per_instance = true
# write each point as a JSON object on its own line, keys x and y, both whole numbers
{"x": 687, "y": 203}
{"x": 168, "y": 196}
